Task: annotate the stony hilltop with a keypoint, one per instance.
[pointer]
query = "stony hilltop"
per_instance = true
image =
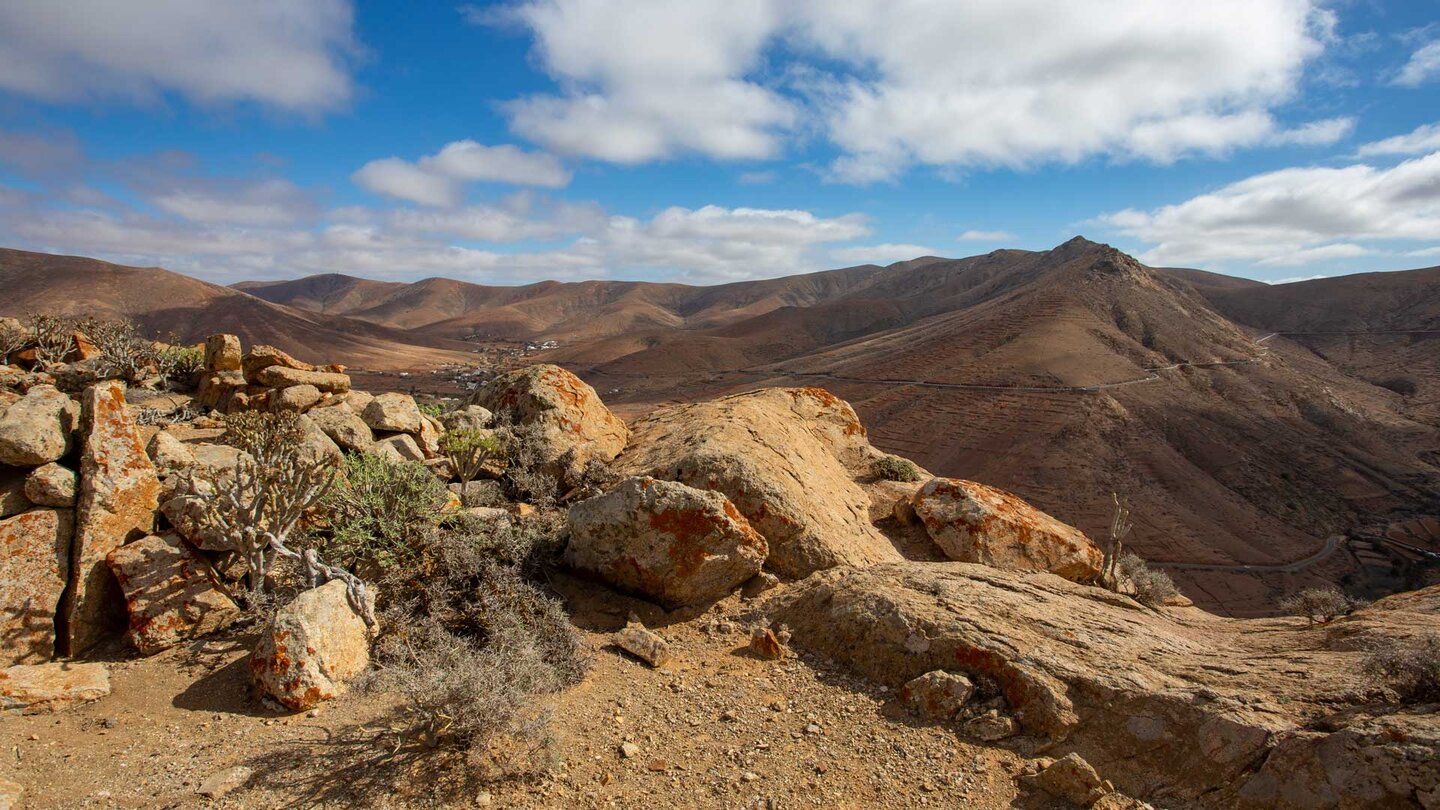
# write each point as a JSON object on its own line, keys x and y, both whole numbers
{"x": 231, "y": 578}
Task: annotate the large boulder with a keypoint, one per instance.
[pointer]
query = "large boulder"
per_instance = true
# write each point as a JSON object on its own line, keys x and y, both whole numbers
{"x": 168, "y": 453}
{"x": 790, "y": 459}
{"x": 316, "y": 447}
{"x": 34, "y": 567}
{"x": 343, "y": 426}
{"x": 976, "y": 523}
{"x": 398, "y": 448}
{"x": 119, "y": 493}
{"x": 296, "y": 398}
{"x": 1174, "y": 703}
{"x": 36, "y": 429}
{"x": 395, "y": 413}
{"x": 575, "y": 425}
{"x": 40, "y": 688}
{"x": 673, "y": 543}
{"x": 311, "y": 647}
{"x": 468, "y": 417}
{"x": 219, "y": 389}
{"x": 170, "y": 593}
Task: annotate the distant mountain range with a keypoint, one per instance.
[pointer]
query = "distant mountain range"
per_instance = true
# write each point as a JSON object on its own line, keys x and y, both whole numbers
{"x": 1064, "y": 375}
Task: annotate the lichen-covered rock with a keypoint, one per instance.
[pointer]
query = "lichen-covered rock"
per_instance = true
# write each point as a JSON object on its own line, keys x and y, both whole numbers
{"x": 673, "y": 543}
{"x": 282, "y": 377}
{"x": 36, "y": 429}
{"x": 170, "y": 593}
{"x": 51, "y": 485}
{"x": 937, "y": 694}
{"x": 119, "y": 493}
{"x": 576, "y": 425}
{"x": 222, "y": 353}
{"x": 396, "y": 413}
{"x": 296, "y": 398}
{"x": 311, "y": 647}
{"x": 40, "y": 688}
{"x": 344, "y": 427}
{"x": 34, "y": 567}
{"x": 972, "y": 522}
{"x": 787, "y": 458}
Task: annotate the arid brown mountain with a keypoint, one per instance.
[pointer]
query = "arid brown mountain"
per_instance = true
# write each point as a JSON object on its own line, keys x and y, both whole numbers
{"x": 1063, "y": 375}
{"x": 165, "y": 303}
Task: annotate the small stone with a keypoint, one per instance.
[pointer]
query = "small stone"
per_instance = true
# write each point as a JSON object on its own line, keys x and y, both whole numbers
{"x": 812, "y": 729}
{"x": 10, "y": 794}
{"x": 643, "y": 644}
{"x": 750, "y": 776}
{"x": 764, "y": 644}
{"x": 938, "y": 694}
{"x": 629, "y": 750}
{"x": 1073, "y": 779}
{"x": 990, "y": 727}
{"x": 224, "y": 782}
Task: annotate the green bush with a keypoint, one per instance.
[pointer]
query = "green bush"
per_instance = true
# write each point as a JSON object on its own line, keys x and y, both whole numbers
{"x": 895, "y": 468}
{"x": 469, "y": 450}
{"x": 381, "y": 512}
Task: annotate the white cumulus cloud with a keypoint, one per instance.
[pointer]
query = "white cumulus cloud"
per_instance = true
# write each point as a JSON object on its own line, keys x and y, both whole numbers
{"x": 1424, "y": 65}
{"x": 1294, "y": 216}
{"x": 289, "y": 54}
{"x": 986, "y": 236}
{"x": 1421, "y": 140}
{"x": 439, "y": 179}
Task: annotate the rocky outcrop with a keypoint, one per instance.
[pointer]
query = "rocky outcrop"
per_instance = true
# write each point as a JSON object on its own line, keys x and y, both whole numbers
{"x": 296, "y": 398}
{"x": 576, "y": 425}
{"x": 975, "y": 523}
{"x": 468, "y": 417}
{"x": 673, "y": 543}
{"x": 262, "y": 357}
{"x": 169, "y": 454}
{"x": 36, "y": 429}
{"x": 1174, "y": 700}
{"x": 788, "y": 458}
{"x": 40, "y": 688}
{"x": 12, "y": 492}
{"x": 119, "y": 493}
{"x": 170, "y": 593}
{"x": 34, "y": 567}
{"x": 222, "y": 353}
{"x": 398, "y": 448}
{"x": 311, "y": 647}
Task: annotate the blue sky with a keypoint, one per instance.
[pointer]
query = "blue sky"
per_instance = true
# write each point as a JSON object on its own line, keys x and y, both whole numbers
{"x": 716, "y": 140}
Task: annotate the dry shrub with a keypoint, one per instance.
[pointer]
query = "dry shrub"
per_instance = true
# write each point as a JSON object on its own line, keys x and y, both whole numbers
{"x": 13, "y": 338}
{"x": 53, "y": 338}
{"x": 1318, "y": 604}
{"x": 526, "y": 474}
{"x": 895, "y": 468}
{"x": 1150, "y": 587}
{"x": 473, "y": 640}
{"x": 122, "y": 352}
{"x": 1411, "y": 669}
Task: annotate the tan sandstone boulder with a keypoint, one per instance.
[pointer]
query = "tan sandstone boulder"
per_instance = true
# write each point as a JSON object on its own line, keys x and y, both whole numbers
{"x": 34, "y": 566}
{"x": 296, "y": 398}
{"x": 222, "y": 353}
{"x": 36, "y": 429}
{"x": 576, "y": 424}
{"x": 975, "y": 523}
{"x": 170, "y": 593}
{"x": 40, "y": 688}
{"x": 673, "y": 543}
{"x": 283, "y": 377}
{"x": 119, "y": 493}
{"x": 1176, "y": 703}
{"x": 313, "y": 645}
{"x": 13, "y": 500}
{"x": 262, "y": 357}
{"x": 788, "y": 458}
{"x": 395, "y": 413}
{"x": 344, "y": 427}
